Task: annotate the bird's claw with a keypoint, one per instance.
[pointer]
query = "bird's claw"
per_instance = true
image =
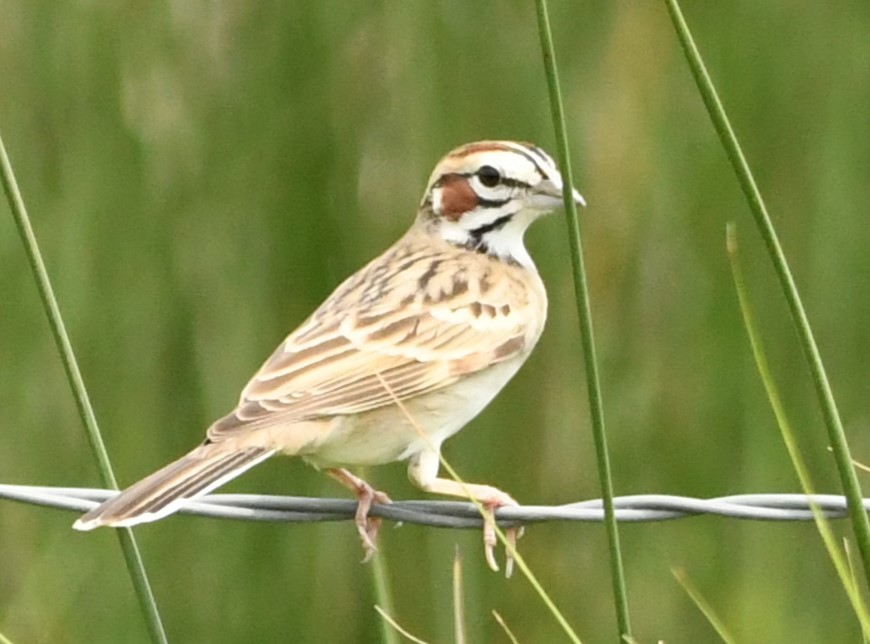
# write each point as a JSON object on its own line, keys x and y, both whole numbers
{"x": 490, "y": 540}
{"x": 366, "y": 525}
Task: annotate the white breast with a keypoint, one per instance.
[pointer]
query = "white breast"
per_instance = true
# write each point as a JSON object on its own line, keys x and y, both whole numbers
{"x": 386, "y": 435}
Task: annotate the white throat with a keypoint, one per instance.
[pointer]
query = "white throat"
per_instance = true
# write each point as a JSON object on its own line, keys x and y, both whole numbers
{"x": 504, "y": 242}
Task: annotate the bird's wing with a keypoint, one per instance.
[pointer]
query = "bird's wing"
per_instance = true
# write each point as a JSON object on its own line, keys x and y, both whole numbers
{"x": 417, "y": 318}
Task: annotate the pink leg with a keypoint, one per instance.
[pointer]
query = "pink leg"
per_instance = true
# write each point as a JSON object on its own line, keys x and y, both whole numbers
{"x": 366, "y": 526}
{"x": 423, "y": 472}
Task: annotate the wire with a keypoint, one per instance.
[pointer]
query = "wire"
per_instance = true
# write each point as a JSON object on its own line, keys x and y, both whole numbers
{"x": 455, "y": 514}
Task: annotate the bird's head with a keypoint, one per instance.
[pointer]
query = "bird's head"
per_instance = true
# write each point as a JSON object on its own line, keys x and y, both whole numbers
{"x": 484, "y": 195}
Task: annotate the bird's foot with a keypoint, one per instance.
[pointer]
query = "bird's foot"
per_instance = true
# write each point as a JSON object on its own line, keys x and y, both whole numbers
{"x": 366, "y": 495}
{"x": 491, "y": 502}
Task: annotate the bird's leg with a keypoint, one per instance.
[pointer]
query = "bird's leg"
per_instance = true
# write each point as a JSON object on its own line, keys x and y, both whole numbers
{"x": 423, "y": 472}
{"x": 366, "y": 526}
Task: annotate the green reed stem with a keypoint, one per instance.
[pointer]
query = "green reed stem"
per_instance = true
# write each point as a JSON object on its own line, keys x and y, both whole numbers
{"x": 704, "y": 606}
{"x": 836, "y": 435}
{"x": 512, "y": 551}
{"x": 459, "y": 635}
{"x": 846, "y": 576}
{"x": 581, "y": 293}
{"x": 384, "y": 597}
{"x": 132, "y": 557}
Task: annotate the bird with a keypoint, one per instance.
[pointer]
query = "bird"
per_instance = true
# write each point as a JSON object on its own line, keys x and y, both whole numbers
{"x": 401, "y": 356}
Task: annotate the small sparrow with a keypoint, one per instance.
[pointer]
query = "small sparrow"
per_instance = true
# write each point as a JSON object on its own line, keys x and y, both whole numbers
{"x": 399, "y": 358}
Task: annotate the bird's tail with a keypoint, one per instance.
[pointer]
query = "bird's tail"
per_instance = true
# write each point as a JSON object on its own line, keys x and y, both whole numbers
{"x": 162, "y": 493}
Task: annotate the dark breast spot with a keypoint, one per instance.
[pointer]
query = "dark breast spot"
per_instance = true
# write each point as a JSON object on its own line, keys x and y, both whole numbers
{"x": 484, "y": 283}
{"x": 460, "y": 286}
{"x": 430, "y": 273}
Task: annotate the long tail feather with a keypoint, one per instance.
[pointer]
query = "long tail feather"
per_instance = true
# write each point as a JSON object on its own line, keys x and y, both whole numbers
{"x": 162, "y": 493}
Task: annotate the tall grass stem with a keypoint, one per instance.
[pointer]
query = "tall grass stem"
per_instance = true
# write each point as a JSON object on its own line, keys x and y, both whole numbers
{"x": 833, "y": 423}
{"x": 842, "y": 566}
{"x": 384, "y": 596}
{"x": 132, "y": 557}
{"x": 581, "y": 293}
{"x": 459, "y": 636}
{"x": 510, "y": 549}
{"x": 704, "y": 606}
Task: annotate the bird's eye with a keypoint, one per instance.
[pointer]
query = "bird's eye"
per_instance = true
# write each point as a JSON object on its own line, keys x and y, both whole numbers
{"x": 489, "y": 176}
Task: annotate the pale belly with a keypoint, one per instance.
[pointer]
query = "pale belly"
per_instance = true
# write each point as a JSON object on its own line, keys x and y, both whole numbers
{"x": 385, "y": 435}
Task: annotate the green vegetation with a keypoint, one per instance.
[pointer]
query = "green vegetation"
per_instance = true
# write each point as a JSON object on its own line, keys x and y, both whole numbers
{"x": 199, "y": 177}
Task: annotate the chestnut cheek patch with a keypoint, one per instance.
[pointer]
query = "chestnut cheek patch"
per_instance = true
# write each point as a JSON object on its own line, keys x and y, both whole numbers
{"x": 457, "y": 197}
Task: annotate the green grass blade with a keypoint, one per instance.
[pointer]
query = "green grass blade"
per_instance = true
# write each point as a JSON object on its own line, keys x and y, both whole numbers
{"x": 581, "y": 293}
{"x": 392, "y": 622}
{"x": 842, "y": 567}
{"x": 704, "y": 606}
{"x": 459, "y": 636}
{"x": 865, "y": 637}
{"x": 384, "y": 596}
{"x": 512, "y": 551}
{"x": 833, "y": 423}
{"x": 133, "y": 559}
{"x": 516, "y": 556}
{"x": 505, "y": 627}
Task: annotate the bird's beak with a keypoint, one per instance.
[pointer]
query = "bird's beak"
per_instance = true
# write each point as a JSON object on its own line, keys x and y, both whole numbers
{"x": 578, "y": 198}
{"x": 548, "y": 195}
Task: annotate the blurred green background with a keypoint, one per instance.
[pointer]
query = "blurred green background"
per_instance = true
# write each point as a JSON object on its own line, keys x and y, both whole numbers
{"x": 201, "y": 174}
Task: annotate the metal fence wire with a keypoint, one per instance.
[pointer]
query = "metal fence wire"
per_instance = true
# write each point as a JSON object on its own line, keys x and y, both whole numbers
{"x": 457, "y": 514}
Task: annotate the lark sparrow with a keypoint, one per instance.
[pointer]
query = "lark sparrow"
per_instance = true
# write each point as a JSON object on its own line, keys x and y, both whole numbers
{"x": 400, "y": 357}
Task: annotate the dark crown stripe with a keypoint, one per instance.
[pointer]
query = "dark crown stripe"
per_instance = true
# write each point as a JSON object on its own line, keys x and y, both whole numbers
{"x": 529, "y": 153}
